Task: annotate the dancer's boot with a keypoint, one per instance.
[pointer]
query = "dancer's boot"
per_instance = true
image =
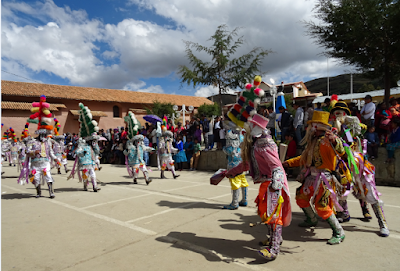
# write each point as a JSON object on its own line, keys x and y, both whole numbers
{"x": 235, "y": 200}
{"x": 38, "y": 191}
{"x": 51, "y": 192}
{"x": 345, "y": 215}
{"x": 364, "y": 208}
{"x": 338, "y": 232}
{"x": 273, "y": 250}
{"x": 380, "y": 215}
{"x": 162, "y": 175}
{"x": 311, "y": 218}
{"x": 95, "y": 186}
{"x": 146, "y": 177}
{"x": 243, "y": 202}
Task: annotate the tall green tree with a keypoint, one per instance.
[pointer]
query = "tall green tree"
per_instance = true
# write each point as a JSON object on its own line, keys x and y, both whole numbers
{"x": 208, "y": 110}
{"x": 363, "y": 33}
{"x": 160, "y": 109}
{"x": 223, "y": 70}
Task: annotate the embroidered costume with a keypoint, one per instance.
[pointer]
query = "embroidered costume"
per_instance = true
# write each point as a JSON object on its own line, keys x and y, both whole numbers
{"x": 320, "y": 186}
{"x": 87, "y": 149}
{"x": 239, "y": 182}
{"x": 135, "y": 150}
{"x": 362, "y": 179}
{"x": 59, "y": 148}
{"x": 166, "y": 150}
{"x": 39, "y": 151}
{"x": 260, "y": 157}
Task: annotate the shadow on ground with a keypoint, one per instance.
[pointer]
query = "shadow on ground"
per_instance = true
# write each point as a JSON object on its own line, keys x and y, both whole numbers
{"x": 17, "y": 196}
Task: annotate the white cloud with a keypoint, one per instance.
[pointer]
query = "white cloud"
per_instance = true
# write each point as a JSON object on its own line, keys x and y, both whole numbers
{"x": 209, "y": 91}
{"x": 70, "y": 45}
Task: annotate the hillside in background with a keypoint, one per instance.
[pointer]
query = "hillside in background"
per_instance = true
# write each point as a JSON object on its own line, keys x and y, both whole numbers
{"x": 341, "y": 84}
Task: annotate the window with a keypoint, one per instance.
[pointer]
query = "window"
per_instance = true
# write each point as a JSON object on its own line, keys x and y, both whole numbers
{"x": 116, "y": 111}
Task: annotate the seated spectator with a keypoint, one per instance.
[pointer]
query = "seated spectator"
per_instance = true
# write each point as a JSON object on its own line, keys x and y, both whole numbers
{"x": 394, "y": 140}
{"x": 373, "y": 142}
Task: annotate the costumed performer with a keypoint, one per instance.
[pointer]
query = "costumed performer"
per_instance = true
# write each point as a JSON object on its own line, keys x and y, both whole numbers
{"x": 320, "y": 187}
{"x": 166, "y": 151}
{"x": 59, "y": 148}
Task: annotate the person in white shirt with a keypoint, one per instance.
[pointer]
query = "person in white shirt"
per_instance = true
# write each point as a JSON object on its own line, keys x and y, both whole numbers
{"x": 368, "y": 111}
{"x": 298, "y": 121}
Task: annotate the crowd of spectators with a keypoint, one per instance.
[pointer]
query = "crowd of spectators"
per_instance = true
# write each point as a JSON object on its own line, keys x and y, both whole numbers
{"x": 197, "y": 134}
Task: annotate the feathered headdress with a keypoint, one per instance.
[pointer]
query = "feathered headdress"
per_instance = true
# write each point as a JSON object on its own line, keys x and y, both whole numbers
{"x": 133, "y": 124}
{"x": 88, "y": 126}
{"x": 245, "y": 106}
{"x": 57, "y": 127}
{"x": 41, "y": 116}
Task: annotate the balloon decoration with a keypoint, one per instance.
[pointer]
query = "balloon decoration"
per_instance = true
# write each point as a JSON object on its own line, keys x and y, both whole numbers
{"x": 246, "y": 105}
{"x": 41, "y": 114}
{"x": 133, "y": 124}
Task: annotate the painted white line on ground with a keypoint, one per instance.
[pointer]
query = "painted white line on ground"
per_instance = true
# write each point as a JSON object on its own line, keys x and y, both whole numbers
{"x": 221, "y": 196}
{"x": 162, "y": 212}
{"x": 190, "y": 186}
{"x": 114, "y": 201}
{"x": 156, "y": 193}
{"x": 103, "y": 217}
{"x": 394, "y": 236}
{"x": 203, "y": 250}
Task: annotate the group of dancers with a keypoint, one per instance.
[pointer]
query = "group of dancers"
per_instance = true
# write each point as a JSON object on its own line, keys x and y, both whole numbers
{"x": 333, "y": 163}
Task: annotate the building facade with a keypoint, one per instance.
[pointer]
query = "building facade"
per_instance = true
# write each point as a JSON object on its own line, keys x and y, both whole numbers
{"x": 108, "y": 106}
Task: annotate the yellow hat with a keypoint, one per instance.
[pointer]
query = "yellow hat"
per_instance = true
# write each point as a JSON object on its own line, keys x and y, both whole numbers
{"x": 320, "y": 117}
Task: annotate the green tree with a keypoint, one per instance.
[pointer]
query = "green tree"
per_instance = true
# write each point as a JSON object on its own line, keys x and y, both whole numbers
{"x": 160, "y": 109}
{"x": 366, "y": 88}
{"x": 223, "y": 71}
{"x": 208, "y": 110}
{"x": 361, "y": 33}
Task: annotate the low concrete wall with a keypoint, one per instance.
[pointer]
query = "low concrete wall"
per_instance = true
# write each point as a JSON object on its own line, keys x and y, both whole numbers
{"x": 385, "y": 174}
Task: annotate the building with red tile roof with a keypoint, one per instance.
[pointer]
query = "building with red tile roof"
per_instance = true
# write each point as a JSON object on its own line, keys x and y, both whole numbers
{"x": 108, "y": 106}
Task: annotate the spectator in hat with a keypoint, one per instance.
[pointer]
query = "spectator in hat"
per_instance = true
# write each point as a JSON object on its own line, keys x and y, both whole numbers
{"x": 368, "y": 111}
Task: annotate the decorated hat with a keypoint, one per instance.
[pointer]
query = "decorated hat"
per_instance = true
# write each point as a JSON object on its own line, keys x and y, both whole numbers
{"x": 341, "y": 105}
{"x": 133, "y": 125}
{"x": 57, "y": 127}
{"x": 12, "y": 135}
{"x": 259, "y": 120}
{"x": 320, "y": 117}
{"x": 6, "y": 134}
{"x": 168, "y": 134}
{"x": 41, "y": 116}
{"x": 88, "y": 127}
{"x": 245, "y": 106}
{"x": 25, "y": 132}
{"x": 138, "y": 138}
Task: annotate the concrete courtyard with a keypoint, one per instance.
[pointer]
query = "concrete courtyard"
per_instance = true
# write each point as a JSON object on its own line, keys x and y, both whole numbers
{"x": 173, "y": 225}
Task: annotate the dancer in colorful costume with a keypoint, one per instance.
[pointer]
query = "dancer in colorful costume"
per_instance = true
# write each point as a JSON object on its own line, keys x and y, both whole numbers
{"x": 135, "y": 149}
{"x": 13, "y": 148}
{"x": 363, "y": 172}
{"x": 260, "y": 156}
{"x": 87, "y": 149}
{"x": 232, "y": 150}
{"x": 59, "y": 148}
{"x": 166, "y": 150}
{"x": 320, "y": 186}
{"x": 40, "y": 151}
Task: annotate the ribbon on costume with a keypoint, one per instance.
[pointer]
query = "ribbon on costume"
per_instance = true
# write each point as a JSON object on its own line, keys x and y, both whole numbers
{"x": 128, "y": 168}
{"x": 72, "y": 175}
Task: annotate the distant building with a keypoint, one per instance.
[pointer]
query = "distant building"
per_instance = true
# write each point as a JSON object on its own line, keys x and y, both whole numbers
{"x": 108, "y": 106}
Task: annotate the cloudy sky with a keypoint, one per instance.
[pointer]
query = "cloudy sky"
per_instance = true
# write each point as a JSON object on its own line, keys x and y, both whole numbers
{"x": 138, "y": 44}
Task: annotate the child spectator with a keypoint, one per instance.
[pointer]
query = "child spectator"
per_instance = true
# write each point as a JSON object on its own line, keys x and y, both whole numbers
{"x": 197, "y": 133}
{"x": 373, "y": 142}
{"x": 394, "y": 140}
{"x": 180, "y": 157}
{"x": 196, "y": 155}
